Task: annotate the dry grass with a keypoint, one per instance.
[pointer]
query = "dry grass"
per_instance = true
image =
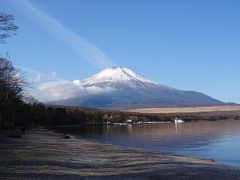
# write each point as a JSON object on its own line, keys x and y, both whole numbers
{"x": 186, "y": 109}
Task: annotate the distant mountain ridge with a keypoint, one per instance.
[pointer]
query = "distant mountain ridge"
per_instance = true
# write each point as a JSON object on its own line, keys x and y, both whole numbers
{"x": 127, "y": 89}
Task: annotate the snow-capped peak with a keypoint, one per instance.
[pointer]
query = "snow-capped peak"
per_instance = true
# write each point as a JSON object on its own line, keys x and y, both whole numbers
{"x": 118, "y": 77}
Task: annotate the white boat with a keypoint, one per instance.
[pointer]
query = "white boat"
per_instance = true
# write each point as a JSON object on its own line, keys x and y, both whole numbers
{"x": 129, "y": 121}
{"x": 178, "y": 120}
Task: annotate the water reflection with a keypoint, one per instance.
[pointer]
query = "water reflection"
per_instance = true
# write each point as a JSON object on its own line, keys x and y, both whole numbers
{"x": 219, "y": 140}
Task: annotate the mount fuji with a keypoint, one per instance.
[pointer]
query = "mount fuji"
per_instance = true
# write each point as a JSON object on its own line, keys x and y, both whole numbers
{"x": 123, "y": 88}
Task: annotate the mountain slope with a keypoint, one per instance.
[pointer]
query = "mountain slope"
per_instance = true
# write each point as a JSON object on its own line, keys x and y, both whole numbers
{"x": 130, "y": 90}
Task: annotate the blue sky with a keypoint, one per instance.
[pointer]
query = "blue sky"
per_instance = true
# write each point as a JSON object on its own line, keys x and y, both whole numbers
{"x": 189, "y": 45}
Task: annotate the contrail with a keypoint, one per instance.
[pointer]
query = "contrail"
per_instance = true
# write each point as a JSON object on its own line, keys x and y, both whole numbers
{"x": 85, "y": 49}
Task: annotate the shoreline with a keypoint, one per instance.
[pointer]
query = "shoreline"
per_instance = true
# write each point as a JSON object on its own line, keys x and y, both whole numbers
{"x": 45, "y": 154}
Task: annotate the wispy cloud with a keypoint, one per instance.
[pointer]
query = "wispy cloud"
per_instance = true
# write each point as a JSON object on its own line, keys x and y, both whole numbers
{"x": 39, "y": 74}
{"x": 85, "y": 49}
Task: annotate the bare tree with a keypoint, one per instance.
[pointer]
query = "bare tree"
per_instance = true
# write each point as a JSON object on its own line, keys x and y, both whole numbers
{"x": 7, "y": 26}
{"x": 12, "y": 86}
{"x": 11, "y": 83}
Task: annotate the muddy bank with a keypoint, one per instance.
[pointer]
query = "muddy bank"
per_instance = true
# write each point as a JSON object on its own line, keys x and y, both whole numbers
{"x": 45, "y": 154}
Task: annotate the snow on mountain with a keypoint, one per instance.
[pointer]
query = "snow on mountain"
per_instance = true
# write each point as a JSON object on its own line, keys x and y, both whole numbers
{"x": 118, "y": 77}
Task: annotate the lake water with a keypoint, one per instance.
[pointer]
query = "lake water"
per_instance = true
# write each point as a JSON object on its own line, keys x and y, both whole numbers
{"x": 218, "y": 140}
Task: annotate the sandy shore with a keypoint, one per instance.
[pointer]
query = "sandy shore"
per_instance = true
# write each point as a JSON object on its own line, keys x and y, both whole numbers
{"x": 186, "y": 109}
{"x": 42, "y": 154}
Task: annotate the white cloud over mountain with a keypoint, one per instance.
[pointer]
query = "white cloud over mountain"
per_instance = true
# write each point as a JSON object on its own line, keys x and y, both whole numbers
{"x": 105, "y": 81}
{"x": 52, "y": 91}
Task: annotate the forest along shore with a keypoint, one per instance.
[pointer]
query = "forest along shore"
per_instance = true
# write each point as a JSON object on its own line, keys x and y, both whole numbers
{"x": 45, "y": 154}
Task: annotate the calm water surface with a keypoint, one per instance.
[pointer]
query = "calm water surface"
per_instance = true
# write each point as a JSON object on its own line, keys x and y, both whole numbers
{"x": 218, "y": 140}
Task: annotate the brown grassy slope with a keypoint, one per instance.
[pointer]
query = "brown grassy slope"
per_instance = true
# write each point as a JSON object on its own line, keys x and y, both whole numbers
{"x": 185, "y": 109}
